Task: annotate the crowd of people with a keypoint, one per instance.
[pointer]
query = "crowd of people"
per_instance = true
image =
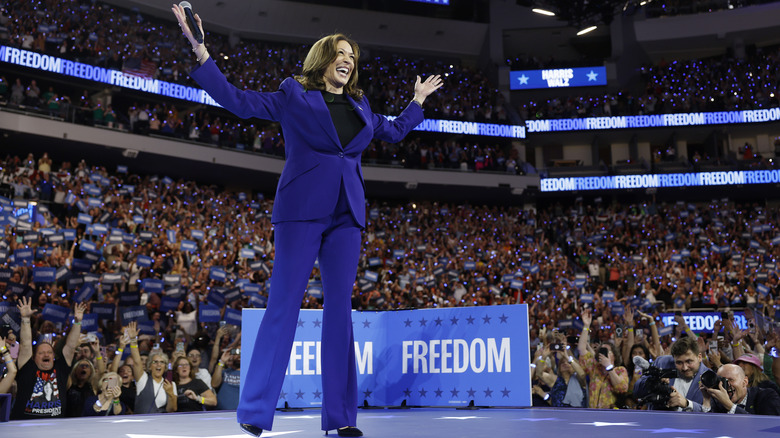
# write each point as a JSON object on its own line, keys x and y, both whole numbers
{"x": 722, "y": 83}
{"x": 174, "y": 246}
{"x": 122, "y": 39}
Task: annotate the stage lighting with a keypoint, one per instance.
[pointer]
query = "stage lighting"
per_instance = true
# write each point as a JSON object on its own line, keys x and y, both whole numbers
{"x": 586, "y": 30}
{"x": 543, "y": 12}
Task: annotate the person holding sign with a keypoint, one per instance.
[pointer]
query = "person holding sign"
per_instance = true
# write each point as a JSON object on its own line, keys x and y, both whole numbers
{"x": 319, "y": 212}
{"x": 41, "y": 382}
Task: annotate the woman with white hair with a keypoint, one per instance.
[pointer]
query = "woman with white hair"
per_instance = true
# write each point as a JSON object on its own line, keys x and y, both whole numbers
{"x": 154, "y": 393}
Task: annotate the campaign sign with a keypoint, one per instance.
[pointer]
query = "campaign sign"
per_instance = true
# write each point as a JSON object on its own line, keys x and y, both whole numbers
{"x": 89, "y": 323}
{"x": 703, "y": 322}
{"x": 217, "y": 273}
{"x": 23, "y": 255}
{"x": 152, "y": 285}
{"x": 128, "y": 299}
{"x": 211, "y": 313}
{"x": 146, "y": 327}
{"x": 134, "y": 313}
{"x": 104, "y": 310}
{"x": 169, "y": 303}
{"x": 233, "y": 316}
{"x": 84, "y": 293}
{"x": 144, "y": 261}
{"x": 54, "y": 313}
{"x": 44, "y": 274}
{"x": 215, "y": 297}
{"x": 426, "y": 357}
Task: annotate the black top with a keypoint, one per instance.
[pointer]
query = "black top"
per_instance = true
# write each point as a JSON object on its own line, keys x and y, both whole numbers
{"x": 346, "y": 121}
{"x": 41, "y": 394}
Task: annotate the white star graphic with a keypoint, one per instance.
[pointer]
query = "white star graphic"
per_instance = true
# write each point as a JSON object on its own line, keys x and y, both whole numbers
{"x": 592, "y": 76}
{"x": 523, "y": 79}
{"x": 265, "y": 434}
{"x": 604, "y": 423}
{"x": 459, "y": 418}
{"x": 382, "y": 416}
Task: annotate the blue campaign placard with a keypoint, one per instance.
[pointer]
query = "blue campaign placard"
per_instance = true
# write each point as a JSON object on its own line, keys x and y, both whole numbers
{"x": 104, "y": 311}
{"x": 558, "y": 78}
{"x": 54, "y": 313}
{"x": 210, "y": 313}
{"x": 426, "y": 357}
{"x": 44, "y": 274}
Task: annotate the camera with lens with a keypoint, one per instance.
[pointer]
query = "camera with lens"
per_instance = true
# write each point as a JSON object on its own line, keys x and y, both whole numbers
{"x": 556, "y": 347}
{"x": 658, "y": 391}
{"x": 711, "y": 380}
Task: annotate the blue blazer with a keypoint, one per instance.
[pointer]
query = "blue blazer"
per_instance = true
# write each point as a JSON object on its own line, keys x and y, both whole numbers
{"x": 316, "y": 162}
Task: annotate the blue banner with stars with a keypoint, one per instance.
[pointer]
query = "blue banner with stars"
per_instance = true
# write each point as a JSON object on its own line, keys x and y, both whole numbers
{"x": 558, "y": 78}
{"x": 426, "y": 357}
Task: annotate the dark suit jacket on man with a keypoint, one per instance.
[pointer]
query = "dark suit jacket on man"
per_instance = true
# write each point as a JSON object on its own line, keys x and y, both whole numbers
{"x": 317, "y": 164}
{"x": 760, "y": 401}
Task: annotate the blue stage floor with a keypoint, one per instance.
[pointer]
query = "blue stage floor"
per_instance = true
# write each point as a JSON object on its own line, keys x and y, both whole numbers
{"x": 386, "y": 423}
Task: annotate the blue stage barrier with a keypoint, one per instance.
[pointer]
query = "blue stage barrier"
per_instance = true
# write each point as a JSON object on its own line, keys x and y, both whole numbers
{"x": 426, "y": 357}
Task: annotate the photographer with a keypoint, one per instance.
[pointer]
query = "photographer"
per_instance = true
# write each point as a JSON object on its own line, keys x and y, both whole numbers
{"x": 608, "y": 378}
{"x": 733, "y": 396}
{"x": 685, "y": 394}
{"x": 568, "y": 386}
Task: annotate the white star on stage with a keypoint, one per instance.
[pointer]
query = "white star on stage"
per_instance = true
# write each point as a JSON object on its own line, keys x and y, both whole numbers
{"x": 523, "y": 79}
{"x": 671, "y": 430}
{"x": 592, "y": 76}
{"x": 459, "y": 418}
{"x": 605, "y": 423}
{"x": 382, "y": 416}
{"x": 265, "y": 434}
{"x": 535, "y": 419}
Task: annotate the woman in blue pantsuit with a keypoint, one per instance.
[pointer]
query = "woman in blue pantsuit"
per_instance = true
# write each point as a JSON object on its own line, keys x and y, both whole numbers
{"x": 319, "y": 212}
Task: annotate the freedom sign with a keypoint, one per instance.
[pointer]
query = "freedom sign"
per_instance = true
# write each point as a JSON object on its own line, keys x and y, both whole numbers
{"x": 426, "y": 357}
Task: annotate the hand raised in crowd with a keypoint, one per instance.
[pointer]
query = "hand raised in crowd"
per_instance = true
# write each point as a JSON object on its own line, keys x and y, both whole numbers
{"x": 587, "y": 318}
{"x": 225, "y": 356}
{"x": 78, "y": 311}
{"x": 24, "y": 306}
{"x": 628, "y": 316}
{"x": 132, "y": 331}
{"x": 222, "y": 332}
{"x": 604, "y": 361}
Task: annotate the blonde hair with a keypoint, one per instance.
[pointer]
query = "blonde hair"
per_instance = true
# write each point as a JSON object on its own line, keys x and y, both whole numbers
{"x": 93, "y": 376}
{"x": 320, "y": 56}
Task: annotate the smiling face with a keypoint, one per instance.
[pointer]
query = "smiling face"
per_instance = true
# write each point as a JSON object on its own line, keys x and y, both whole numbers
{"x": 158, "y": 365}
{"x": 337, "y": 74}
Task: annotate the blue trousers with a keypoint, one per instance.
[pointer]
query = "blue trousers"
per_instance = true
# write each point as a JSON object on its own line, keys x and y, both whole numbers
{"x": 336, "y": 241}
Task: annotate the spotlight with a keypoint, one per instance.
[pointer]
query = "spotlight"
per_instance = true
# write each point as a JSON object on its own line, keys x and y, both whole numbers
{"x": 586, "y": 30}
{"x": 543, "y": 12}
